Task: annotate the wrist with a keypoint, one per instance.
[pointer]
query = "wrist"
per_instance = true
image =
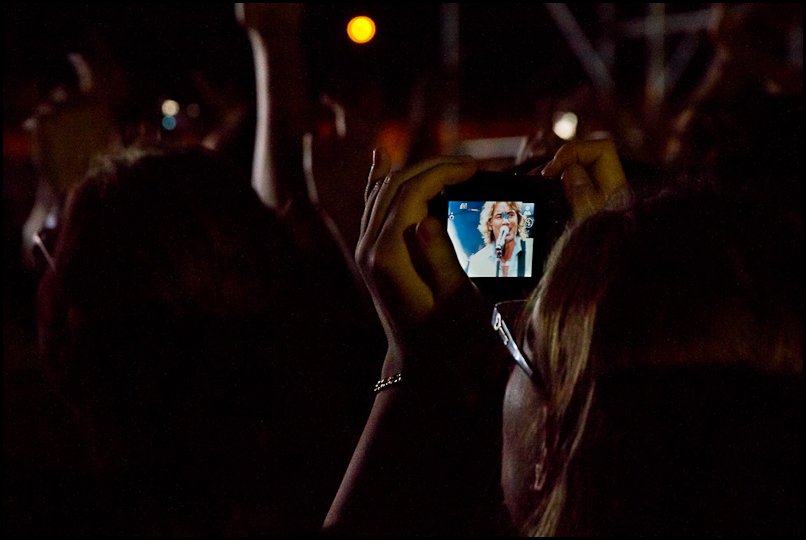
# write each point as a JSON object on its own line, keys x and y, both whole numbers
{"x": 388, "y": 382}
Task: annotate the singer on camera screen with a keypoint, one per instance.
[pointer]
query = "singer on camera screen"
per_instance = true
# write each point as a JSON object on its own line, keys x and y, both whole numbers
{"x": 504, "y": 248}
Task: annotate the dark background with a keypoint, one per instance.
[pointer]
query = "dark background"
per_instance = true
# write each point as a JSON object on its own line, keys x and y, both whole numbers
{"x": 511, "y": 54}
{"x": 516, "y": 69}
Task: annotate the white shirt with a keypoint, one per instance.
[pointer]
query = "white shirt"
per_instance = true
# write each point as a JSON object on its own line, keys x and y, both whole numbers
{"x": 484, "y": 263}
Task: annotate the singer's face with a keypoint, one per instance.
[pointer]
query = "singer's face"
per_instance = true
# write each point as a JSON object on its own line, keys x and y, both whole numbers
{"x": 503, "y": 214}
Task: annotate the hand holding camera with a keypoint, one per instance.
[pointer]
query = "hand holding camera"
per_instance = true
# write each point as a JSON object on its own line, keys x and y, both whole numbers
{"x": 425, "y": 229}
{"x": 401, "y": 253}
{"x": 592, "y": 176}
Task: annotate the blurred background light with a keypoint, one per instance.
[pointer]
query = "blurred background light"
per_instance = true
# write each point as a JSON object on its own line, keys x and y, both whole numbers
{"x": 565, "y": 125}
{"x": 170, "y": 107}
{"x": 169, "y": 123}
{"x": 361, "y": 29}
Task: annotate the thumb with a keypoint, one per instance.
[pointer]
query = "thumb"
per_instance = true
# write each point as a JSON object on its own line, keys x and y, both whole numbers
{"x": 437, "y": 260}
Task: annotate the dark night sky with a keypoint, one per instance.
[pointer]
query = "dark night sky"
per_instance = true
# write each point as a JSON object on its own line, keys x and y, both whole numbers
{"x": 509, "y": 50}
{"x": 512, "y": 54}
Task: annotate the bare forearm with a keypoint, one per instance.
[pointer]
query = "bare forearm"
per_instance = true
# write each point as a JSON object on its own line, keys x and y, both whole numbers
{"x": 420, "y": 468}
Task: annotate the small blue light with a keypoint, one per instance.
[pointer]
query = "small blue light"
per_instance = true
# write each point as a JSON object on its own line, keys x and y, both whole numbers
{"x": 169, "y": 123}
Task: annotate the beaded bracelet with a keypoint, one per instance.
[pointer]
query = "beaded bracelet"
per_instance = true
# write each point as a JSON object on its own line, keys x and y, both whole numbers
{"x": 387, "y": 382}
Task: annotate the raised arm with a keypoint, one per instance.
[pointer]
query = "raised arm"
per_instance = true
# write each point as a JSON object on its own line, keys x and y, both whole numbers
{"x": 283, "y": 107}
{"x": 428, "y": 455}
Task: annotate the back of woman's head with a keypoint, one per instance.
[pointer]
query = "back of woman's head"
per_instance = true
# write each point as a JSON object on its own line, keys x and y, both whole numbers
{"x": 669, "y": 337}
{"x": 167, "y": 228}
{"x": 162, "y": 324}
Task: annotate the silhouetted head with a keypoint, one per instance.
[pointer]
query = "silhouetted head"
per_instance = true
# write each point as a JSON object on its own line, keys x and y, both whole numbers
{"x": 164, "y": 325}
{"x": 666, "y": 340}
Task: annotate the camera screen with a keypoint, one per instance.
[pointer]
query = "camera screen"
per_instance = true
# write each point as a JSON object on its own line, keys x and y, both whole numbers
{"x": 508, "y": 238}
{"x": 493, "y": 238}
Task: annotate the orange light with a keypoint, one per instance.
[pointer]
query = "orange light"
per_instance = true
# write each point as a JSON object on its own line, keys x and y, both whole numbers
{"x": 361, "y": 29}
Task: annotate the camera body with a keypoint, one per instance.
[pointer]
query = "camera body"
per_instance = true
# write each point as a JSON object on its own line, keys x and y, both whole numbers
{"x": 502, "y": 226}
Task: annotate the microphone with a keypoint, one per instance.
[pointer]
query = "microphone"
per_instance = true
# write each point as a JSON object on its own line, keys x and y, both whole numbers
{"x": 501, "y": 240}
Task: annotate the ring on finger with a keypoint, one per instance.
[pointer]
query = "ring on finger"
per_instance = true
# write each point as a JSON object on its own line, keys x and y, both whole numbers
{"x": 375, "y": 186}
{"x": 372, "y": 186}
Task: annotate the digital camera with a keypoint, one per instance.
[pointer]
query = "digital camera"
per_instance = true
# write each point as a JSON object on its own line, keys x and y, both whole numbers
{"x": 502, "y": 226}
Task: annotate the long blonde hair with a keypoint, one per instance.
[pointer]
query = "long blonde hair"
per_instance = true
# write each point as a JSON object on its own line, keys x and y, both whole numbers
{"x": 561, "y": 333}
{"x": 486, "y": 216}
{"x": 681, "y": 281}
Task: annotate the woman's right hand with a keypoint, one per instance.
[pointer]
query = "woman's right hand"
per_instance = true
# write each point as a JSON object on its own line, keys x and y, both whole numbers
{"x": 405, "y": 255}
{"x": 430, "y": 439}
